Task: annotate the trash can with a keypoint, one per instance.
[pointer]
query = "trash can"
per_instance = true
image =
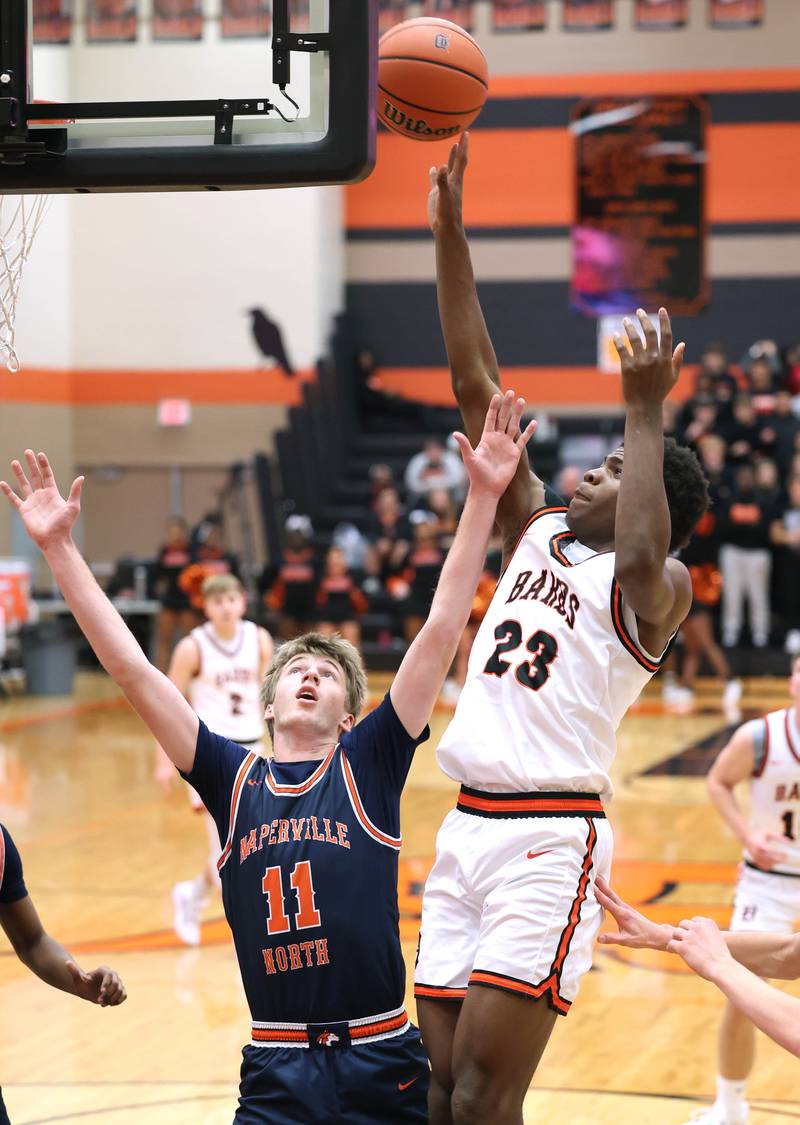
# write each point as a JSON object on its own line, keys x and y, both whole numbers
{"x": 49, "y": 656}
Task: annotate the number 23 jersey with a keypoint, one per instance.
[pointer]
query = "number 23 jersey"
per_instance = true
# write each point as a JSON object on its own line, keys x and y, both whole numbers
{"x": 554, "y": 667}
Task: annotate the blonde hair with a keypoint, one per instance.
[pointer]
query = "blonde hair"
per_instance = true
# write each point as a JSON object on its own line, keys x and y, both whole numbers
{"x": 220, "y": 584}
{"x": 333, "y": 648}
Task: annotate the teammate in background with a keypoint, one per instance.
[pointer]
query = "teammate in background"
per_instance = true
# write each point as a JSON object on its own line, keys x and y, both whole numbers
{"x": 714, "y": 955}
{"x": 311, "y": 836}
{"x": 765, "y": 752}
{"x": 219, "y": 668}
{"x": 581, "y": 619}
{"x": 41, "y": 953}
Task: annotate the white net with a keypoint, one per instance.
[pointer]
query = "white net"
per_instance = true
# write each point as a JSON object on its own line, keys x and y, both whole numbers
{"x": 20, "y": 219}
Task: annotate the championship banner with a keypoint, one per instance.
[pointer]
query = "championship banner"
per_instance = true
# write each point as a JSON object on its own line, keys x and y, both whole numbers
{"x": 111, "y": 21}
{"x": 245, "y": 19}
{"x": 457, "y": 11}
{"x": 52, "y": 21}
{"x": 736, "y": 13}
{"x": 519, "y": 15}
{"x": 177, "y": 19}
{"x": 588, "y": 15}
{"x": 391, "y": 13}
{"x": 661, "y": 14}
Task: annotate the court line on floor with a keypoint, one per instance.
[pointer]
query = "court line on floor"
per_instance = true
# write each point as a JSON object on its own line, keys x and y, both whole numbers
{"x": 85, "y": 1113}
{"x": 67, "y": 712}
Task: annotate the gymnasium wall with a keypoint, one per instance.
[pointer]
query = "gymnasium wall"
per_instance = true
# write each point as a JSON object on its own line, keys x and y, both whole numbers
{"x": 519, "y": 202}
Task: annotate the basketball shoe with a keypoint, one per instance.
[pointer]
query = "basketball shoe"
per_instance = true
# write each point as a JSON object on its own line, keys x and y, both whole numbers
{"x": 187, "y": 906}
{"x": 716, "y": 1115}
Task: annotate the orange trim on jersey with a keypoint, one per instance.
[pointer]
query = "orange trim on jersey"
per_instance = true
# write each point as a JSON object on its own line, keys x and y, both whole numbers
{"x": 578, "y": 901}
{"x": 548, "y": 511}
{"x": 236, "y": 793}
{"x": 788, "y": 736}
{"x": 622, "y": 632}
{"x": 304, "y": 786}
{"x": 428, "y": 992}
{"x": 528, "y": 804}
{"x": 548, "y": 988}
{"x": 556, "y": 550}
{"x": 358, "y": 809}
{"x": 763, "y": 766}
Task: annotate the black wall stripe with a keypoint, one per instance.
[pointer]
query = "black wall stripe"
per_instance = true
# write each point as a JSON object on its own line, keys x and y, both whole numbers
{"x": 422, "y": 234}
{"x": 532, "y": 324}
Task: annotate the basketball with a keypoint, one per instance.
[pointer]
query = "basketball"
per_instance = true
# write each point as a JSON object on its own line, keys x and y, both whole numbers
{"x": 432, "y": 79}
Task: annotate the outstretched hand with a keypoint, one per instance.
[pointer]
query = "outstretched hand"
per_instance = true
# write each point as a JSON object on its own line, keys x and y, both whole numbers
{"x": 699, "y": 942}
{"x": 100, "y": 986}
{"x": 446, "y": 187}
{"x": 635, "y": 931}
{"x": 493, "y": 462}
{"x": 650, "y": 369}
{"x": 48, "y": 518}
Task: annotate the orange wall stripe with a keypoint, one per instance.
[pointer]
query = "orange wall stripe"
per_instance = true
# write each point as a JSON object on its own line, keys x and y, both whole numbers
{"x": 141, "y": 388}
{"x": 525, "y": 177}
{"x": 643, "y": 82}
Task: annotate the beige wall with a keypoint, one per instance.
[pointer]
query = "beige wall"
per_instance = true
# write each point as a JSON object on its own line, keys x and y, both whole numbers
{"x": 39, "y": 427}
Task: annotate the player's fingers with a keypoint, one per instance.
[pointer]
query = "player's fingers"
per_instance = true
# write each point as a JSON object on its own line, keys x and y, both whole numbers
{"x": 432, "y": 174}
{"x": 10, "y": 494}
{"x": 634, "y": 339}
{"x": 34, "y": 473}
{"x": 526, "y": 435}
{"x": 441, "y": 179}
{"x": 665, "y": 329}
{"x": 677, "y": 359}
{"x": 623, "y": 351}
{"x": 463, "y": 444}
{"x": 516, "y": 413}
{"x": 650, "y": 334}
{"x": 451, "y": 160}
{"x": 22, "y": 481}
{"x": 490, "y": 424}
{"x": 75, "y": 491}
{"x": 504, "y": 413}
{"x": 48, "y": 479}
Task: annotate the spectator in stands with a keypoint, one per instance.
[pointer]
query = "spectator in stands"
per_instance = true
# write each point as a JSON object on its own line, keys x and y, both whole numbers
{"x": 743, "y": 434}
{"x": 792, "y": 367}
{"x": 702, "y": 421}
{"x": 768, "y": 484}
{"x": 670, "y": 415}
{"x": 176, "y": 615}
{"x": 443, "y": 508}
{"x": 763, "y": 385}
{"x": 714, "y": 363}
{"x": 210, "y": 556}
{"x": 389, "y": 535}
{"x": 712, "y": 452}
{"x": 785, "y": 534}
{"x": 780, "y": 431}
{"x": 292, "y": 595}
{"x": 568, "y": 481}
{"x": 417, "y": 583}
{"x": 340, "y": 602}
{"x": 745, "y": 560}
{"x": 381, "y": 477}
{"x": 434, "y": 467}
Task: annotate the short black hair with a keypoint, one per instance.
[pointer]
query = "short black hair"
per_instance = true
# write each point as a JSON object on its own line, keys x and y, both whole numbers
{"x": 687, "y": 491}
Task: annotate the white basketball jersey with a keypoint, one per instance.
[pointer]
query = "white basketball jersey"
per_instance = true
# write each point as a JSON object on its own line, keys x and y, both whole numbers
{"x": 225, "y": 692}
{"x": 554, "y": 667}
{"x": 775, "y": 786}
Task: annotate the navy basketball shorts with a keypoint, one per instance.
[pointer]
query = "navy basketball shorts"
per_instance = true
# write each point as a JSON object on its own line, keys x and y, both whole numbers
{"x": 382, "y": 1083}
{"x": 3, "y": 1115}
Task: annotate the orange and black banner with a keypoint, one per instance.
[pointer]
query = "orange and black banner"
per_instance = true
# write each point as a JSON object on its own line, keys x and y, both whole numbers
{"x": 178, "y": 19}
{"x": 588, "y": 15}
{"x": 661, "y": 14}
{"x": 519, "y": 15}
{"x": 111, "y": 21}
{"x": 245, "y": 19}
{"x": 459, "y": 11}
{"x": 735, "y": 13}
{"x": 52, "y": 21}
{"x": 390, "y": 13}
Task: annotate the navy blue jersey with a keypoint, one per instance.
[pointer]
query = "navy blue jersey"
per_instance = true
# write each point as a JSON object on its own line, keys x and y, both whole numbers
{"x": 12, "y": 884}
{"x": 309, "y": 870}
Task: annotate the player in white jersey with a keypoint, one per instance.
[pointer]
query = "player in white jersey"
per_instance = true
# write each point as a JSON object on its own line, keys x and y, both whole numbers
{"x": 219, "y": 667}
{"x": 583, "y": 613}
{"x": 765, "y": 752}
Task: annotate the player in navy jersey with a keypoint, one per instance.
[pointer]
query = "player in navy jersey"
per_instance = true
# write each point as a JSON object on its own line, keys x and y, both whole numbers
{"x": 36, "y": 949}
{"x": 310, "y": 837}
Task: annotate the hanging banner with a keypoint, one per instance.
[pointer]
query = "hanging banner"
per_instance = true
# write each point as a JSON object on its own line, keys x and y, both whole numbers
{"x": 390, "y": 13}
{"x": 111, "y": 21}
{"x": 588, "y": 15}
{"x": 52, "y": 21}
{"x": 736, "y": 13}
{"x": 457, "y": 11}
{"x": 245, "y": 19}
{"x": 519, "y": 15}
{"x": 177, "y": 19}
{"x": 661, "y": 14}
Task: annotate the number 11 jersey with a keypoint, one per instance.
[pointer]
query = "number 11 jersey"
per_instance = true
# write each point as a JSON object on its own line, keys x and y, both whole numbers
{"x": 555, "y": 665}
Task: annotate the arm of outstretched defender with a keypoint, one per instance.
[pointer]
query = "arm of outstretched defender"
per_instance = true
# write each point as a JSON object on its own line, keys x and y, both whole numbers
{"x": 184, "y": 665}
{"x": 490, "y": 467}
{"x": 656, "y": 587}
{"x": 50, "y": 961}
{"x": 473, "y": 364}
{"x": 48, "y": 520}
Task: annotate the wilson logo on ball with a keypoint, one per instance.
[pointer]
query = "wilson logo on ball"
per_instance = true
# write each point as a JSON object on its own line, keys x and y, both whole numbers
{"x": 414, "y": 126}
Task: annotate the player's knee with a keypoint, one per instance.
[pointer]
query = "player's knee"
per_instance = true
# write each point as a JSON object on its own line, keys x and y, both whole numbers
{"x": 478, "y": 1097}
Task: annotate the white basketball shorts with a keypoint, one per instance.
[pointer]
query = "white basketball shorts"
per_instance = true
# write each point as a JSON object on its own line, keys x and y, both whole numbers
{"x": 510, "y": 901}
{"x": 765, "y": 901}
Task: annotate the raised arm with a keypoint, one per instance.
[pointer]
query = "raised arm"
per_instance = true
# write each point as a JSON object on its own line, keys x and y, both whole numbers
{"x": 473, "y": 365}
{"x": 490, "y": 467}
{"x": 734, "y": 764}
{"x": 49, "y": 520}
{"x": 50, "y": 961}
{"x": 656, "y": 587}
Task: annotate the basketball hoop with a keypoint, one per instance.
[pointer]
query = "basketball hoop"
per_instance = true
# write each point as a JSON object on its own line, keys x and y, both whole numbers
{"x": 20, "y": 219}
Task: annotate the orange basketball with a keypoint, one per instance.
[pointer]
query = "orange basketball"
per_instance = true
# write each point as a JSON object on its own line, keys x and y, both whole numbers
{"x": 432, "y": 79}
